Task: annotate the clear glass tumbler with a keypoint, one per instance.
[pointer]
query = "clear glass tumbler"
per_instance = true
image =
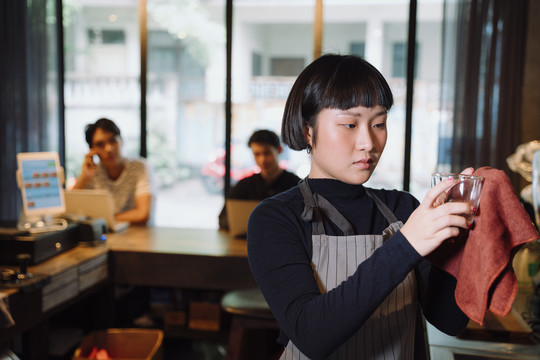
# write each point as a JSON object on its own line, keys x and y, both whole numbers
{"x": 466, "y": 188}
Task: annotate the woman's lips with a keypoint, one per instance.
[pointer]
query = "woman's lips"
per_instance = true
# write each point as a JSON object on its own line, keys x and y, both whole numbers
{"x": 364, "y": 164}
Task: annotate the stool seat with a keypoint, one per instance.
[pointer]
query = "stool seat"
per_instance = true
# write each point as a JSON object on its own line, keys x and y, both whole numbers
{"x": 250, "y": 316}
{"x": 248, "y": 302}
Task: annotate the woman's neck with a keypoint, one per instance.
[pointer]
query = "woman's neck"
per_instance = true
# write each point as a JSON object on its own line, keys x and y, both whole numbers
{"x": 115, "y": 170}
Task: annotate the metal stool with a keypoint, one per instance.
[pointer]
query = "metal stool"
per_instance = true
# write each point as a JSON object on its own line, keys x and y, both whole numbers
{"x": 249, "y": 312}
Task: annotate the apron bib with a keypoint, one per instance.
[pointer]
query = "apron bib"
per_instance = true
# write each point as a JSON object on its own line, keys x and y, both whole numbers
{"x": 389, "y": 332}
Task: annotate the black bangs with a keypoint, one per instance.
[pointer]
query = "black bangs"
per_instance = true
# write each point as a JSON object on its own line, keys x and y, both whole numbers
{"x": 355, "y": 83}
{"x": 331, "y": 82}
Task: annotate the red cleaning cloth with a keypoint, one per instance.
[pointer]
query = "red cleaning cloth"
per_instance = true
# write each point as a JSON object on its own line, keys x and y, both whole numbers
{"x": 481, "y": 261}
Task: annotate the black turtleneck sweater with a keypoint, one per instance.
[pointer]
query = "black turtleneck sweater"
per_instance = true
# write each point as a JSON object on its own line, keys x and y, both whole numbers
{"x": 280, "y": 249}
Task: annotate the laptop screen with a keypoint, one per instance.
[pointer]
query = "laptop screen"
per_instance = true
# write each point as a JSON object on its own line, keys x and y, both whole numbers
{"x": 238, "y": 212}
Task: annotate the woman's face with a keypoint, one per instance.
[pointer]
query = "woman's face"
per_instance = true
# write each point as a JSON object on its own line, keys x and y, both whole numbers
{"x": 349, "y": 143}
{"x": 107, "y": 147}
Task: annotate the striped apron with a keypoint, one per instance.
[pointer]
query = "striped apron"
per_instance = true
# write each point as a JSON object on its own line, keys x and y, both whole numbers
{"x": 389, "y": 332}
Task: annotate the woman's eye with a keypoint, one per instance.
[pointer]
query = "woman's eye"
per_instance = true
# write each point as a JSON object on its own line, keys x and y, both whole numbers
{"x": 350, "y": 126}
{"x": 380, "y": 125}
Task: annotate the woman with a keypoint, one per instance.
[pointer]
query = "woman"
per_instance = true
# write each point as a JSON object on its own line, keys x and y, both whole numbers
{"x": 340, "y": 265}
{"x": 128, "y": 180}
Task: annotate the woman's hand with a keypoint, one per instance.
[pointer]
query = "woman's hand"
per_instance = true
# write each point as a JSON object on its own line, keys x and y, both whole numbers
{"x": 433, "y": 222}
{"x": 467, "y": 171}
{"x": 441, "y": 199}
{"x": 88, "y": 170}
{"x": 89, "y": 166}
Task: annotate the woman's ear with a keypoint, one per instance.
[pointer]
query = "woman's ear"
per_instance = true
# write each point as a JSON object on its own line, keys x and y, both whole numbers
{"x": 309, "y": 135}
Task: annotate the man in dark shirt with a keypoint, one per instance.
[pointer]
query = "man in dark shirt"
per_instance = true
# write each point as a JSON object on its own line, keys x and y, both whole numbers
{"x": 272, "y": 179}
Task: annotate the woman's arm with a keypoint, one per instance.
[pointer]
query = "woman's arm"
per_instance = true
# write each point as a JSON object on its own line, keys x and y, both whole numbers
{"x": 140, "y": 214}
{"x": 144, "y": 196}
{"x": 316, "y": 323}
{"x": 438, "y": 300}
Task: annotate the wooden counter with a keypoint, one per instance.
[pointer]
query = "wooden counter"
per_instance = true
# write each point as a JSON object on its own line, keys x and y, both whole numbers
{"x": 200, "y": 259}
{"x": 144, "y": 256}
{"x": 183, "y": 258}
{"x": 203, "y": 242}
{"x": 67, "y": 279}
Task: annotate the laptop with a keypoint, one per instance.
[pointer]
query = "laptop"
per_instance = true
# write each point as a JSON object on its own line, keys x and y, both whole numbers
{"x": 238, "y": 212}
{"x": 93, "y": 203}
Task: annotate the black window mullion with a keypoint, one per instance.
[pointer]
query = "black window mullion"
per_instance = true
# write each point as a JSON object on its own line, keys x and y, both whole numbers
{"x": 60, "y": 69}
{"x": 143, "y": 31}
{"x": 411, "y": 49}
{"x": 228, "y": 98}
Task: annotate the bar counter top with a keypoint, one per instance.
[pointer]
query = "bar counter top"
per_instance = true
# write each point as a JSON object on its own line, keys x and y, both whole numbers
{"x": 183, "y": 258}
{"x": 200, "y": 242}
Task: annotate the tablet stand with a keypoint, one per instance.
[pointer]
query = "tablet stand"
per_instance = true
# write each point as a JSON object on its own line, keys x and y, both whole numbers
{"x": 40, "y": 224}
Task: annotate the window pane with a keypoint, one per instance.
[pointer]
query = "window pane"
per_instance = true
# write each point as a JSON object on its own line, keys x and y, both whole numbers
{"x": 382, "y": 30}
{"x": 399, "y": 59}
{"x": 370, "y": 29}
{"x": 427, "y": 94}
{"x": 186, "y": 111}
{"x": 358, "y": 49}
{"x": 272, "y": 44}
{"x": 102, "y": 60}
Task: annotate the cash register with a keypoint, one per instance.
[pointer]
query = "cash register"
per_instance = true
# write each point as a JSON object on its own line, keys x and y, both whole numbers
{"x": 41, "y": 231}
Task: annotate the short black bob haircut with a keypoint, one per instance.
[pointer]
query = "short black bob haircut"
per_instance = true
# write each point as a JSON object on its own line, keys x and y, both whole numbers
{"x": 264, "y": 137}
{"x": 103, "y": 124}
{"x": 331, "y": 82}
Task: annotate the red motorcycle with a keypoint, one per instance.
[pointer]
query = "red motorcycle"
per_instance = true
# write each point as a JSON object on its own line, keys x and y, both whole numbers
{"x": 213, "y": 173}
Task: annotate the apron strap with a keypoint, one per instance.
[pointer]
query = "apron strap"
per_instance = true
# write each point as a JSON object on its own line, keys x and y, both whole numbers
{"x": 315, "y": 206}
{"x": 387, "y": 213}
{"x": 311, "y": 211}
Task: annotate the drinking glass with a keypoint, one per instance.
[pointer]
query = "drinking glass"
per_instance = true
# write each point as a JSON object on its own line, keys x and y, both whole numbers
{"x": 466, "y": 188}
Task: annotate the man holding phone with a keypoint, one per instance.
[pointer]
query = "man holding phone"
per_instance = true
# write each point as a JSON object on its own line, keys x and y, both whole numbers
{"x": 128, "y": 180}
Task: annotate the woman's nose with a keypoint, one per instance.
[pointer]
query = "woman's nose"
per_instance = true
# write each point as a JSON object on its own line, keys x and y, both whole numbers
{"x": 364, "y": 140}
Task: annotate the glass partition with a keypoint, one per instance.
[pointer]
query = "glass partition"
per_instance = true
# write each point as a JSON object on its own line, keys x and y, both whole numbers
{"x": 185, "y": 108}
{"x": 427, "y": 117}
{"x": 272, "y": 43}
{"x": 186, "y": 71}
{"x": 102, "y": 73}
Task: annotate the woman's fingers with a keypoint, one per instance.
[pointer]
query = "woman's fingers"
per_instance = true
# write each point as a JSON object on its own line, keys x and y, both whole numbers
{"x": 468, "y": 171}
{"x": 441, "y": 199}
{"x": 429, "y": 226}
{"x": 437, "y": 194}
{"x": 453, "y": 208}
{"x": 446, "y": 233}
{"x": 452, "y": 217}
{"x": 89, "y": 158}
{"x": 436, "y": 220}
